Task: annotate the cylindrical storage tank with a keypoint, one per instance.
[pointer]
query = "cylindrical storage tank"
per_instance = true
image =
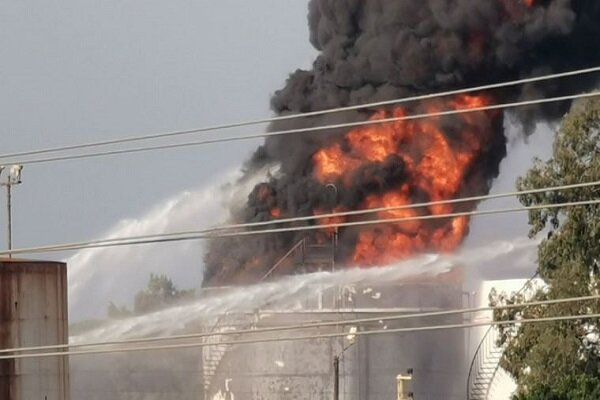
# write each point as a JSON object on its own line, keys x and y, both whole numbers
{"x": 33, "y": 312}
{"x": 369, "y": 364}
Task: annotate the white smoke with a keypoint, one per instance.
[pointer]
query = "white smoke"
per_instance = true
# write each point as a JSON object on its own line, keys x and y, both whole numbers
{"x": 98, "y": 276}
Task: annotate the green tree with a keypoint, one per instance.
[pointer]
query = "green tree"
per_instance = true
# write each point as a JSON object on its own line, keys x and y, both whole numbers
{"x": 160, "y": 293}
{"x": 560, "y": 360}
{"x": 574, "y": 387}
{"x": 115, "y": 312}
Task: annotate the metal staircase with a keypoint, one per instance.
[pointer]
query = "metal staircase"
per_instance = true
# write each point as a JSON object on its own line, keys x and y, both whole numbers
{"x": 216, "y": 347}
{"x": 319, "y": 256}
{"x": 484, "y": 366}
{"x": 485, "y": 371}
{"x": 308, "y": 255}
{"x": 213, "y": 352}
{"x": 305, "y": 256}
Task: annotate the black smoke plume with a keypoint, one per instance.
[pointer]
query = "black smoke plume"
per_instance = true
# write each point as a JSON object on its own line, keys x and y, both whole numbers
{"x": 373, "y": 50}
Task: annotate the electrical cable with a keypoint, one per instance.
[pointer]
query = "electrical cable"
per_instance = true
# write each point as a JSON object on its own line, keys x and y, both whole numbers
{"x": 346, "y": 213}
{"x": 304, "y": 115}
{"x": 382, "y": 209}
{"x": 200, "y": 235}
{"x": 299, "y": 338}
{"x": 308, "y": 129}
{"x": 308, "y": 325}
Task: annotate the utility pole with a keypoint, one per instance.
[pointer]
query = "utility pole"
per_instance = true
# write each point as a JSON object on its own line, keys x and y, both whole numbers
{"x": 9, "y": 216}
{"x": 336, "y": 378}
{"x": 13, "y": 178}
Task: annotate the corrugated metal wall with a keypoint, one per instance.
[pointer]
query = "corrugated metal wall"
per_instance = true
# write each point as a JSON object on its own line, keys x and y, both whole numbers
{"x": 33, "y": 312}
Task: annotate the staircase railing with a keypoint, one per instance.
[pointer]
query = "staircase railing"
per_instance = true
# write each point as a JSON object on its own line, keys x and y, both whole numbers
{"x": 487, "y": 357}
{"x": 214, "y": 350}
{"x": 301, "y": 243}
{"x": 486, "y": 360}
{"x": 307, "y": 250}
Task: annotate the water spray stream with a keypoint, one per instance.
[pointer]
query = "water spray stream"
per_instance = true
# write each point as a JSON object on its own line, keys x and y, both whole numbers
{"x": 289, "y": 292}
{"x": 98, "y": 276}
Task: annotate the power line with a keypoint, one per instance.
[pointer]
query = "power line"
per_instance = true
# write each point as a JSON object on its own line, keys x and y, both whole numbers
{"x": 198, "y": 235}
{"x": 308, "y": 129}
{"x": 299, "y": 338}
{"x": 308, "y": 325}
{"x": 390, "y": 208}
{"x": 342, "y": 214}
{"x": 302, "y": 115}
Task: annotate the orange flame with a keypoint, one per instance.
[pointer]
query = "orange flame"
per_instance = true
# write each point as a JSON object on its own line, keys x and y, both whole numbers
{"x": 331, "y": 220}
{"x": 436, "y": 164}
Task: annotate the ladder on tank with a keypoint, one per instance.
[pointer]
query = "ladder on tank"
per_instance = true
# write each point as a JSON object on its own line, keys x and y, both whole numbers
{"x": 214, "y": 349}
{"x": 308, "y": 255}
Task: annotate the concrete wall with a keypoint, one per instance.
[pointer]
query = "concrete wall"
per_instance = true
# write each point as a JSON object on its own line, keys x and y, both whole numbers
{"x": 33, "y": 312}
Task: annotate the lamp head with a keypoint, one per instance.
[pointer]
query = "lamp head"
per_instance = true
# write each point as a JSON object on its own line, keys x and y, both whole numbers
{"x": 15, "y": 174}
{"x": 351, "y": 336}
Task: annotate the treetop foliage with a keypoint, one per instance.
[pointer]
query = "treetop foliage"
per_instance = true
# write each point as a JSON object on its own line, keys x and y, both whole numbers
{"x": 560, "y": 360}
{"x": 160, "y": 293}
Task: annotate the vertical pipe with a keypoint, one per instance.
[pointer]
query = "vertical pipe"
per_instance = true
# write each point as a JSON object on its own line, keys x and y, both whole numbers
{"x": 336, "y": 378}
{"x": 303, "y": 253}
{"x": 9, "y": 216}
{"x": 333, "y": 241}
{"x": 336, "y": 289}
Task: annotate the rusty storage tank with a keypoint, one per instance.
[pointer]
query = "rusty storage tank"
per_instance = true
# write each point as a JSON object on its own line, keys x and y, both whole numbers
{"x": 33, "y": 312}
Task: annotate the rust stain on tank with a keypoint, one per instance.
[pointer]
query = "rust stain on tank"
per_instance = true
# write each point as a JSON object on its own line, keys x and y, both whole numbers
{"x": 7, "y": 367}
{"x": 33, "y": 296}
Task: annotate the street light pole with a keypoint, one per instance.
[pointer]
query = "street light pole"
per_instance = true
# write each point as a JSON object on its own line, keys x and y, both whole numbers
{"x": 351, "y": 337}
{"x": 13, "y": 178}
{"x": 9, "y": 216}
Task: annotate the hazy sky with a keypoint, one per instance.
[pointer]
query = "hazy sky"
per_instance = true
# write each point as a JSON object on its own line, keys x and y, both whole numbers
{"x": 86, "y": 70}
